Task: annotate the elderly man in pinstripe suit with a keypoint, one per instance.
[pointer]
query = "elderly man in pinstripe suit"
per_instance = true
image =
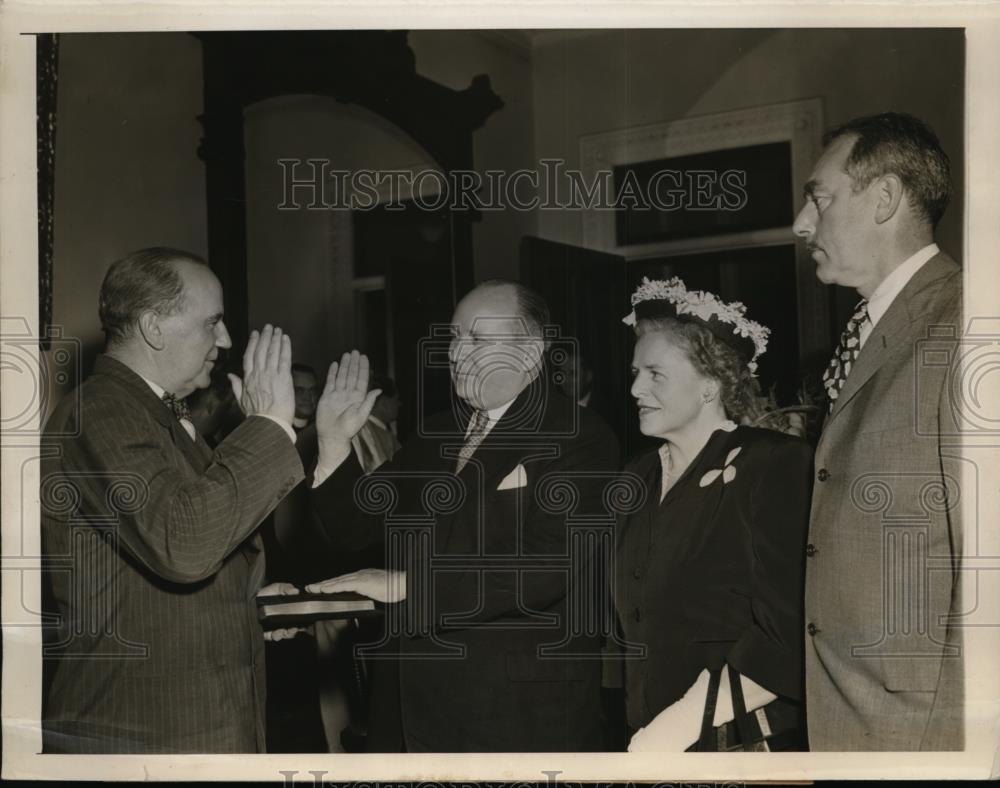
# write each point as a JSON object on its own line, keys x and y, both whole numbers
{"x": 149, "y": 537}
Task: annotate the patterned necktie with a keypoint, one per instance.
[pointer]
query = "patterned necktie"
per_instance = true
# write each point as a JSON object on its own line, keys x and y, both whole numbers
{"x": 178, "y": 406}
{"x": 480, "y": 420}
{"x": 846, "y": 353}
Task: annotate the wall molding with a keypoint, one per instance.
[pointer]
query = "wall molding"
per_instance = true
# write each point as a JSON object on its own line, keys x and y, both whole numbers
{"x": 798, "y": 122}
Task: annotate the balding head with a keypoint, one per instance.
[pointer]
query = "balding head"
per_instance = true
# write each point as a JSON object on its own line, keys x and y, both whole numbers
{"x": 525, "y": 303}
{"x": 162, "y": 312}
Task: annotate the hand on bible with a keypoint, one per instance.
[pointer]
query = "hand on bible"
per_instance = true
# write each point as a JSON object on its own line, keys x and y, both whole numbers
{"x": 276, "y": 589}
{"x": 378, "y": 584}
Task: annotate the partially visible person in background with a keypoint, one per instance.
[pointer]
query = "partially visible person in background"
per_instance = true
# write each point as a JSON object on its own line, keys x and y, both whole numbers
{"x": 306, "y": 394}
{"x": 376, "y": 443}
{"x": 574, "y": 376}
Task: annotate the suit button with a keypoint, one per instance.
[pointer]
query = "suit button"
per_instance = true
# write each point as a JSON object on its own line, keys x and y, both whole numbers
{"x": 637, "y": 614}
{"x": 637, "y": 573}
{"x": 811, "y": 550}
{"x": 823, "y": 474}
{"x": 812, "y": 629}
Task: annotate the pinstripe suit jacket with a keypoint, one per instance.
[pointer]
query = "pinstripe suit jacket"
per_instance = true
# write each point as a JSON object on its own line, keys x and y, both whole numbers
{"x": 883, "y": 664}
{"x": 152, "y": 565}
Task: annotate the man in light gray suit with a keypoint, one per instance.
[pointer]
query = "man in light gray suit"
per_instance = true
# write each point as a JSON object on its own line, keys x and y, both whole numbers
{"x": 883, "y": 651}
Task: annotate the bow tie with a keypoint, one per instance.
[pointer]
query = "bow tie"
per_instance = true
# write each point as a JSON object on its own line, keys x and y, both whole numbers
{"x": 178, "y": 406}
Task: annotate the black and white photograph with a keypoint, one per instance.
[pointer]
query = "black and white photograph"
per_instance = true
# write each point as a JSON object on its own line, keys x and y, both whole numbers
{"x": 432, "y": 393}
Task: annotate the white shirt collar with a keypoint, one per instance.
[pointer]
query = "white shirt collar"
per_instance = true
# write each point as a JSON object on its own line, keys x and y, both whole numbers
{"x": 158, "y": 390}
{"x": 496, "y": 414}
{"x": 378, "y": 422}
{"x": 891, "y": 286}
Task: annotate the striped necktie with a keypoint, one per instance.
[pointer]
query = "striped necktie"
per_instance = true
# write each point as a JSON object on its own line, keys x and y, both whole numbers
{"x": 846, "y": 353}
{"x": 480, "y": 420}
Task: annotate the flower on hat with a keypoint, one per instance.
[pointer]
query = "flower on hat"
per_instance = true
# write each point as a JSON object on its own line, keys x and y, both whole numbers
{"x": 704, "y": 306}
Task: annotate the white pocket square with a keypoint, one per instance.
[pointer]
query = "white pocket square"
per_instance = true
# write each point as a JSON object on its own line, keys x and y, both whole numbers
{"x": 516, "y": 478}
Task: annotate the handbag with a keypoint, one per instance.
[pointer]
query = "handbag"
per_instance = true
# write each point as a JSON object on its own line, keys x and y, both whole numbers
{"x": 770, "y": 728}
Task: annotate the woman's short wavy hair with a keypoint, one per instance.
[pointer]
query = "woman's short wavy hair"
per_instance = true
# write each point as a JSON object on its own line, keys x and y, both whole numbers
{"x": 711, "y": 357}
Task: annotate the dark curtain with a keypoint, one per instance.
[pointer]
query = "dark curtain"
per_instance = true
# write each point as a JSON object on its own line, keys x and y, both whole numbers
{"x": 46, "y": 74}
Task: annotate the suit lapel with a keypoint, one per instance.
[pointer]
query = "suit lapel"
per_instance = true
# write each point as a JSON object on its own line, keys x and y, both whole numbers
{"x": 512, "y": 429}
{"x": 879, "y": 347}
{"x": 438, "y": 461}
{"x": 135, "y": 387}
{"x": 895, "y": 326}
{"x": 647, "y": 468}
{"x": 197, "y": 453}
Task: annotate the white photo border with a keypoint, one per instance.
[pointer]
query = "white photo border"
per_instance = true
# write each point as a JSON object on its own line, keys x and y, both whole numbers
{"x": 19, "y": 474}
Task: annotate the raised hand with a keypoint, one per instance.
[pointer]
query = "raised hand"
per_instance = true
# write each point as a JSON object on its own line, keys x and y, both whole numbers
{"x": 379, "y": 584}
{"x": 266, "y": 388}
{"x": 346, "y": 403}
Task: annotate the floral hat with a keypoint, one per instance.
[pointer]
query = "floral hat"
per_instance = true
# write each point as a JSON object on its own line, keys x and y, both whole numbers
{"x": 671, "y": 298}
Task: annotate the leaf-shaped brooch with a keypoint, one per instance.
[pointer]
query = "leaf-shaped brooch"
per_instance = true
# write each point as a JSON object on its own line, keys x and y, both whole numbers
{"x": 728, "y": 473}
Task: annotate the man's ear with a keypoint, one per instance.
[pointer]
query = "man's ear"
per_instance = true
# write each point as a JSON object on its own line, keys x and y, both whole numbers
{"x": 889, "y": 194}
{"x": 151, "y": 330}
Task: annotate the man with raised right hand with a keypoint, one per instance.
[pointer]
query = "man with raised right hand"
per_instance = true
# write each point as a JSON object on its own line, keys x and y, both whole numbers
{"x": 495, "y": 652}
{"x": 149, "y": 537}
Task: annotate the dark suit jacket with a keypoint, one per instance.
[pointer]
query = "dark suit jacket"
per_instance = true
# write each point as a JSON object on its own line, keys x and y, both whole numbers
{"x": 153, "y": 565}
{"x": 713, "y": 574}
{"x": 469, "y": 673}
{"x": 883, "y": 663}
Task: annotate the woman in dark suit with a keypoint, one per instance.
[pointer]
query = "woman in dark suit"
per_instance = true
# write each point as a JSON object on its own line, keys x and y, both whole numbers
{"x": 709, "y": 571}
